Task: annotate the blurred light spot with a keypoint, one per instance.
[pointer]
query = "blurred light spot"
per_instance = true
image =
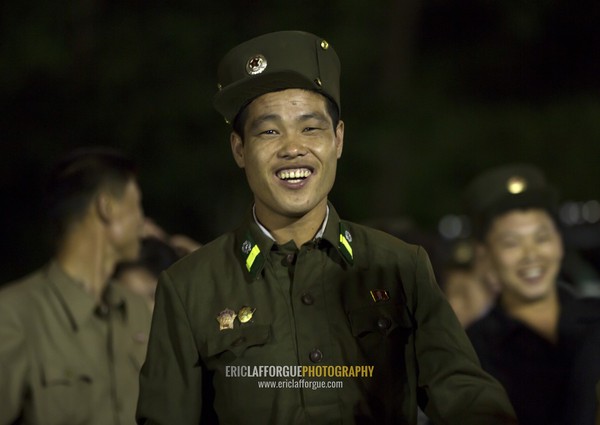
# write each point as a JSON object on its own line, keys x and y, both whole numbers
{"x": 570, "y": 213}
{"x": 450, "y": 226}
{"x": 590, "y": 211}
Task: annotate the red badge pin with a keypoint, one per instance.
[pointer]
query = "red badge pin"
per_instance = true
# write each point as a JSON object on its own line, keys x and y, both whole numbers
{"x": 379, "y": 295}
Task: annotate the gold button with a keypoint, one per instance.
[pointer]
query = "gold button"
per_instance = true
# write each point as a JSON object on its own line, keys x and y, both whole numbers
{"x": 318, "y": 82}
{"x": 324, "y": 45}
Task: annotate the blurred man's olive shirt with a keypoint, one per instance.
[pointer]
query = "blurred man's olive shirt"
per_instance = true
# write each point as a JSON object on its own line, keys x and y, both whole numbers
{"x": 63, "y": 359}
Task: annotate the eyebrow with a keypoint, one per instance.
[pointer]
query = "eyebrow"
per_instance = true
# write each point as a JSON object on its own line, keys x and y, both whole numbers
{"x": 275, "y": 117}
{"x": 313, "y": 115}
{"x": 261, "y": 119}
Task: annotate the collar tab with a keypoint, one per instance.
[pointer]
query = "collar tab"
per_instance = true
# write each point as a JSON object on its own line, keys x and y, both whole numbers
{"x": 345, "y": 244}
{"x": 252, "y": 256}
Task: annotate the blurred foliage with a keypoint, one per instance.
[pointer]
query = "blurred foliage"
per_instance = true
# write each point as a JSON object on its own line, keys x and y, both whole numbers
{"x": 432, "y": 93}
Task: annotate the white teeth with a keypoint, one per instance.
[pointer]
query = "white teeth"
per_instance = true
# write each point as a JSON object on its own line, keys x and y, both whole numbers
{"x": 298, "y": 173}
{"x": 532, "y": 273}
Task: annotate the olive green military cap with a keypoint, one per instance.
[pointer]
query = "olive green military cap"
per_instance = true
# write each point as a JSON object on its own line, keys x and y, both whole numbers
{"x": 508, "y": 187}
{"x": 276, "y": 61}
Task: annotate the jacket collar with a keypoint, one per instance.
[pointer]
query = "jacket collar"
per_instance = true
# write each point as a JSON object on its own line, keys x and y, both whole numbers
{"x": 78, "y": 305}
{"x": 506, "y": 326}
{"x": 252, "y": 243}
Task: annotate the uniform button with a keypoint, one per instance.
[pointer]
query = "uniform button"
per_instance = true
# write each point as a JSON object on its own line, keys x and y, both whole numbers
{"x": 307, "y": 299}
{"x": 291, "y": 258}
{"x": 315, "y": 355}
{"x": 238, "y": 341}
{"x": 383, "y": 323}
{"x": 102, "y": 311}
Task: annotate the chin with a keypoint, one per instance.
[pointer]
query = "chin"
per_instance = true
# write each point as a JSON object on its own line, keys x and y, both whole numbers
{"x": 132, "y": 255}
{"x": 536, "y": 295}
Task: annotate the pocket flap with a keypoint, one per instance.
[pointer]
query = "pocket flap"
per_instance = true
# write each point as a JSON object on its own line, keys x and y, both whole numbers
{"x": 56, "y": 374}
{"x": 239, "y": 339}
{"x": 384, "y": 318}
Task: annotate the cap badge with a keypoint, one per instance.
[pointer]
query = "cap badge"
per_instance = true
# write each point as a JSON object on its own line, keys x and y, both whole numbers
{"x": 245, "y": 314}
{"x": 256, "y": 64}
{"x": 226, "y": 318}
{"x": 379, "y": 295}
{"x": 516, "y": 185}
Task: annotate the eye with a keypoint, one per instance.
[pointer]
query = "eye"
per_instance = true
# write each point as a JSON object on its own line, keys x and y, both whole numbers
{"x": 542, "y": 237}
{"x": 269, "y": 132}
{"x": 508, "y": 243}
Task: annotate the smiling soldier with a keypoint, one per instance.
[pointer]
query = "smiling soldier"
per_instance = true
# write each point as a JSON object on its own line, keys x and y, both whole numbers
{"x": 296, "y": 286}
{"x": 532, "y": 339}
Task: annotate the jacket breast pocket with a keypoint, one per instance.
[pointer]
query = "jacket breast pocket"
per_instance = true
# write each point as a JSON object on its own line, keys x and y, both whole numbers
{"x": 381, "y": 331}
{"x": 65, "y": 395}
{"x": 232, "y": 344}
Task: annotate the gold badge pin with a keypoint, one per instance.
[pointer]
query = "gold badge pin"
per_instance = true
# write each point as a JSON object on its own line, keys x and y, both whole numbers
{"x": 245, "y": 314}
{"x": 379, "y": 295}
{"x": 226, "y": 318}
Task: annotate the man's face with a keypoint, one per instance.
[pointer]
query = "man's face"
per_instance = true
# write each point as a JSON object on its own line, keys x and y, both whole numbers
{"x": 289, "y": 153}
{"x": 526, "y": 251}
{"x": 126, "y": 223}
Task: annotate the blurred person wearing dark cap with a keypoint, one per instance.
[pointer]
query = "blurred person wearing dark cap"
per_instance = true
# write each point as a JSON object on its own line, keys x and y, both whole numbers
{"x": 72, "y": 342}
{"x": 531, "y": 338}
{"x": 467, "y": 282}
{"x": 244, "y": 327}
{"x": 141, "y": 275}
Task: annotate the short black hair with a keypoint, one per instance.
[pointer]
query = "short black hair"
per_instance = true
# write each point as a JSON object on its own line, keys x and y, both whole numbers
{"x": 77, "y": 178}
{"x": 240, "y": 119}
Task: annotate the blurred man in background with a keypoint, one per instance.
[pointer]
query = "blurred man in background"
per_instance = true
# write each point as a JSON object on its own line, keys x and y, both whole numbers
{"x": 532, "y": 337}
{"x": 71, "y": 342}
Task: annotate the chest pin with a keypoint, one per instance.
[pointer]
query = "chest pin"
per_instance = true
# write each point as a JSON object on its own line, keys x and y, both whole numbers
{"x": 245, "y": 314}
{"x": 226, "y": 318}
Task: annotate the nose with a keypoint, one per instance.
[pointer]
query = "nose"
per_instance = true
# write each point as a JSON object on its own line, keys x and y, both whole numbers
{"x": 530, "y": 251}
{"x": 291, "y": 147}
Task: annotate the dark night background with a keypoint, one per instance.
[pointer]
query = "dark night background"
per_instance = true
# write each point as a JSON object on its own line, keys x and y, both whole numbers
{"x": 433, "y": 92}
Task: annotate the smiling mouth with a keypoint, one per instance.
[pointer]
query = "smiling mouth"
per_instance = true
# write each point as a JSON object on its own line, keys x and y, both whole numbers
{"x": 531, "y": 273}
{"x": 294, "y": 175}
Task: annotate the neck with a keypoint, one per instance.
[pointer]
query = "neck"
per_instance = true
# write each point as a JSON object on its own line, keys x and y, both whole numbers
{"x": 299, "y": 229}
{"x": 84, "y": 256}
{"x": 541, "y": 315}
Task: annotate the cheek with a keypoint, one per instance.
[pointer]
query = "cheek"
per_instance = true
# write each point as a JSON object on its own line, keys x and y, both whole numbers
{"x": 129, "y": 224}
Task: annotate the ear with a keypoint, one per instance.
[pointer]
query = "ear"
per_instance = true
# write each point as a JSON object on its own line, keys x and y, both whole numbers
{"x": 104, "y": 206}
{"x": 339, "y": 138}
{"x": 485, "y": 268}
{"x": 237, "y": 149}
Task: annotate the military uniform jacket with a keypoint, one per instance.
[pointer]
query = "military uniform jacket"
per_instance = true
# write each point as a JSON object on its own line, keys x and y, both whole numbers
{"x": 354, "y": 297}
{"x": 63, "y": 361}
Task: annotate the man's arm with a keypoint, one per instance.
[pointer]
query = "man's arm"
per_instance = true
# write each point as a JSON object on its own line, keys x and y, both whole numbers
{"x": 171, "y": 378}
{"x": 456, "y": 389}
{"x": 13, "y": 365}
